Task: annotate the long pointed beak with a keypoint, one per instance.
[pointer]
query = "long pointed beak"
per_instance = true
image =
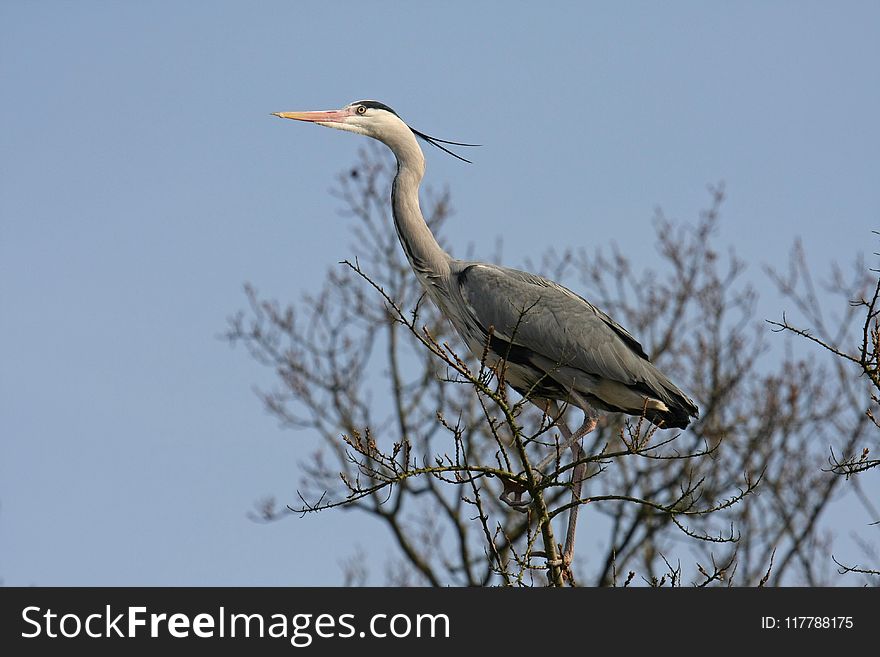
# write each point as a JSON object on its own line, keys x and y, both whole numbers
{"x": 328, "y": 116}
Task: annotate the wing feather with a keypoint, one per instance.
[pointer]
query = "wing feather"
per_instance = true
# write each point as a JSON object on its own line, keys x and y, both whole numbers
{"x": 532, "y": 312}
{"x": 568, "y": 338}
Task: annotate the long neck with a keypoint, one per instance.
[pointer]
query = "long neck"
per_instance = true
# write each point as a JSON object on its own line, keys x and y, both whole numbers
{"x": 425, "y": 255}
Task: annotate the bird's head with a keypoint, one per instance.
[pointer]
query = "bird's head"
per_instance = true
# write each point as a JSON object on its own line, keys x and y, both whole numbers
{"x": 370, "y": 118}
{"x": 364, "y": 117}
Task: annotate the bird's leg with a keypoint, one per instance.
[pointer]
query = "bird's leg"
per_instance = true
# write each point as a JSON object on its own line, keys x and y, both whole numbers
{"x": 578, "y": 475}
{"x": 572, "y": 440}
{"x": 512, "y": 494}
{"x": 569, "y": 438}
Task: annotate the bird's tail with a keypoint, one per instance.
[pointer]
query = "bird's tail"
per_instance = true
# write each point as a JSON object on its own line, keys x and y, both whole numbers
{"x": 679, "y": 408}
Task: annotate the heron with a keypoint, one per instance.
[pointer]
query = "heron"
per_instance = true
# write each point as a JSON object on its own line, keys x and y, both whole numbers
{"x": 557, "y": 349}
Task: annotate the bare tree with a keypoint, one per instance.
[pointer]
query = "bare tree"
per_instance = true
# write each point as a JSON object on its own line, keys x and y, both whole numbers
{"x": 851, "y": 342}
{"x": 431, "y": 443}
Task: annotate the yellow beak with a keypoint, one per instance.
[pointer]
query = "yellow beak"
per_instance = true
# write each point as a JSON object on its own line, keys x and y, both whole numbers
{"x": 328, "y": 116}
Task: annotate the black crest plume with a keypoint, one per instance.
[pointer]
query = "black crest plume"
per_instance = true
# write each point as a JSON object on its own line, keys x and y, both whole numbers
{"x": 434, "y": 141}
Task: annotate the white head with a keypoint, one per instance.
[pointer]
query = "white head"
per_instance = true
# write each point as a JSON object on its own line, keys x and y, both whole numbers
{"x": 373, "y": 119}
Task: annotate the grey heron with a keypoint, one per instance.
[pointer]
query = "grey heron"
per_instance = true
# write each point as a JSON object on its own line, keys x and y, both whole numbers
{"x": 556, "y": 345}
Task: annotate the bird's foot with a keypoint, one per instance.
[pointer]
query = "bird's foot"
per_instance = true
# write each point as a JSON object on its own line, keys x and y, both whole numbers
{"x": 563, "y": 562}
{"x": 512, "y": 495}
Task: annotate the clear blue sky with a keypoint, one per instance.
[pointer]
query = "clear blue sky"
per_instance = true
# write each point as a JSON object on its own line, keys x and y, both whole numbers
{"x": 142, "y": 181}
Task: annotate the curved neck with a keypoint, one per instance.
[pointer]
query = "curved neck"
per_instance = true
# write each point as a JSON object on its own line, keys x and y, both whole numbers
{"x": 425, "y": 255}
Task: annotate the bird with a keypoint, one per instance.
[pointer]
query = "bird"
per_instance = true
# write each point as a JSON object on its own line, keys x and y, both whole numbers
{"x": 557, "y": 348}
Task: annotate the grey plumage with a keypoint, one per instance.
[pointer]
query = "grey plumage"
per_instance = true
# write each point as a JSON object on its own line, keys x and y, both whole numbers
{"x": 557, "y": 345}
{"x": 555, "y": 341}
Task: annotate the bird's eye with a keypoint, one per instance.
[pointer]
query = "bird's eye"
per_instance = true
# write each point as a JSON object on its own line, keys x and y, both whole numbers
{"x": 361, "y": 109}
